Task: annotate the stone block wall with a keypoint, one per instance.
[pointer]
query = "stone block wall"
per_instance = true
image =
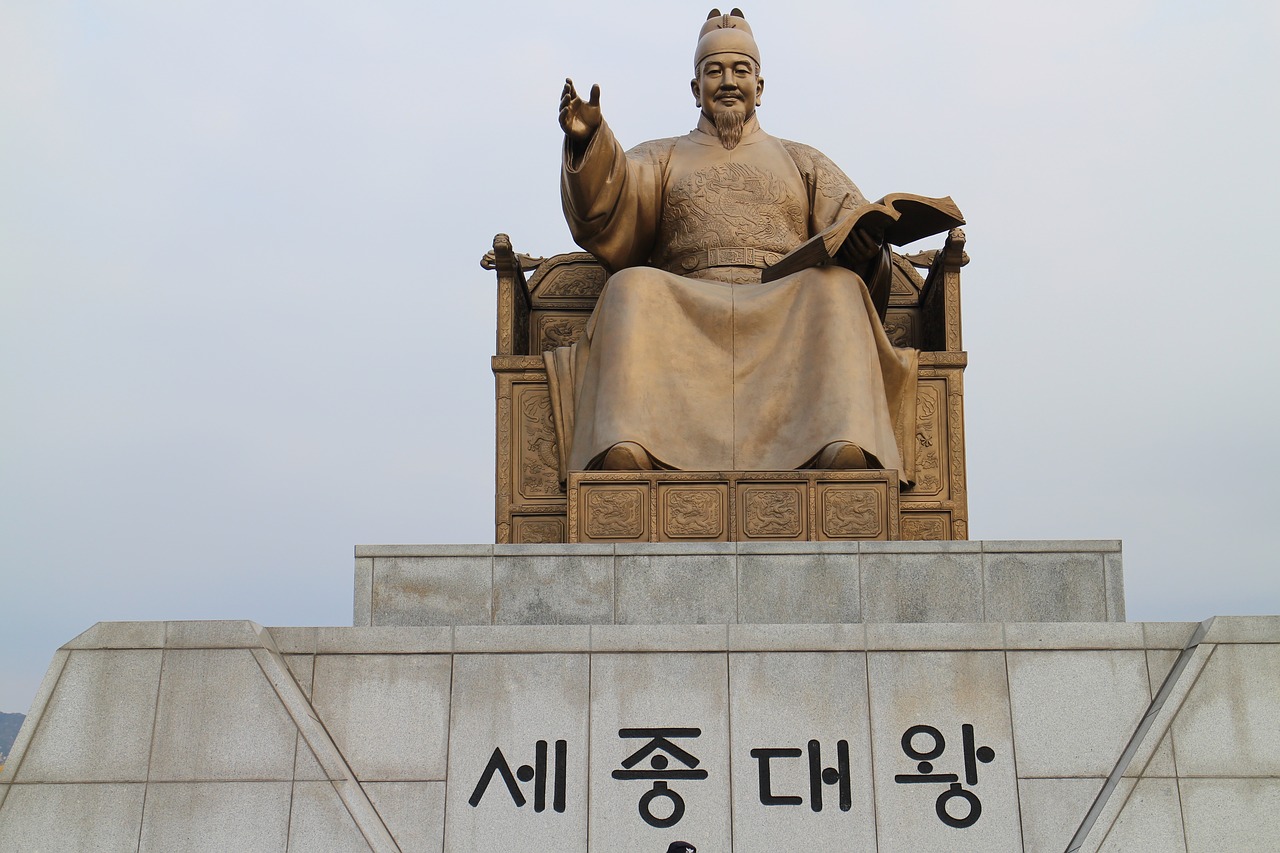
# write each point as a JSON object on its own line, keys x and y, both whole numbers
{"x": 739, "y": 582}
{"x": 227, "y": 736}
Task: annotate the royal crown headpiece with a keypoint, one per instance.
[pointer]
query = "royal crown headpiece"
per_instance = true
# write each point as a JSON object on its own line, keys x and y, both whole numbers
{"x": 725, "y": 34}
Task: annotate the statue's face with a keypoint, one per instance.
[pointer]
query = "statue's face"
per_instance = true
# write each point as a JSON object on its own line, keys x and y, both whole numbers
{"x": 727, "y": 82}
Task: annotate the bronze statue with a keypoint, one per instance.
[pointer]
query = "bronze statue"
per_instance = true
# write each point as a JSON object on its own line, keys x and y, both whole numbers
{"x": 689, "y": 362}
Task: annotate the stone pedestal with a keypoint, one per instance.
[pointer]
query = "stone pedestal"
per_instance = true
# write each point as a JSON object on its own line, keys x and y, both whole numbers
{"x": 739, "y": 696}
{"x": 739, "y": 582}
{"x": 226, "y": 736}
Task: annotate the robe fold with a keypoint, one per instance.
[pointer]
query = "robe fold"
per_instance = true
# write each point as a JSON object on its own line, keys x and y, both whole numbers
{"x": 687, "y": 353}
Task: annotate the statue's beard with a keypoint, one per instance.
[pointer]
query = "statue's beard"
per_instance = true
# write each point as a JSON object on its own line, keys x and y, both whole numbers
{"x": 729, "y": 127}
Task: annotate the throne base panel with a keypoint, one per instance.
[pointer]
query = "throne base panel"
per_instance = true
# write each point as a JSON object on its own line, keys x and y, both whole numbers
{"x": 733, "y": 506}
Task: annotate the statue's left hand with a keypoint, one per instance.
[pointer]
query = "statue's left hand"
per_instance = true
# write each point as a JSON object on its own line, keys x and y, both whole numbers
{"x": 862, "y": 245}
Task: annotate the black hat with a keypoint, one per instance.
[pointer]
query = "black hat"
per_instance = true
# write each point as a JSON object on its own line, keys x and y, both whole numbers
{"x": 681, "y": 847}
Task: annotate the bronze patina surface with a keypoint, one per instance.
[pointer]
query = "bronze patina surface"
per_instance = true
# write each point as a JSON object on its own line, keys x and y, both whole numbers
{"x": 551, "y": 308}
{"x": 688, "y": 361}
{"x": 659, "y": 349}
{"x": 733, "y": 506}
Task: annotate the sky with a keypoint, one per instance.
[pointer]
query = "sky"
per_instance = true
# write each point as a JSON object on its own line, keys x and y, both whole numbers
{"x": 243, "y": 325}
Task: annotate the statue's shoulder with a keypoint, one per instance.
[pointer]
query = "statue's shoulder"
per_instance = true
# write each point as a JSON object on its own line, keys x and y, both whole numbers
{"x": 809, "y": 159}
{"x": 654, "y": 151}
{"x": 819, "y": 170}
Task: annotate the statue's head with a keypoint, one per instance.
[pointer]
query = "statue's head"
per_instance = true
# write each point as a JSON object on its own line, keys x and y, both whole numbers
{"x": 727, "y": 83}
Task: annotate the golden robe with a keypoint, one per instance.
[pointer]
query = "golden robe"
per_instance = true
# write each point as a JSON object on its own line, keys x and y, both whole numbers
{"x": 687, "y": 353}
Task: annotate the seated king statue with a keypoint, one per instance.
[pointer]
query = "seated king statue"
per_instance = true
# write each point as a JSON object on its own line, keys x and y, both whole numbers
{"x": 689, "y": 362}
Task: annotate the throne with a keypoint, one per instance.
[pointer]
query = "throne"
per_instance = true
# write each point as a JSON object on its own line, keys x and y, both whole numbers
{"x": 544, "y": 303}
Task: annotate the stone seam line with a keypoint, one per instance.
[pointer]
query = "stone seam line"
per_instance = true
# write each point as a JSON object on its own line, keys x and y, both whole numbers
{"x": 1146, "y": 737}
{"x": 334, "y": 763}
{"x": 28, "y": 731}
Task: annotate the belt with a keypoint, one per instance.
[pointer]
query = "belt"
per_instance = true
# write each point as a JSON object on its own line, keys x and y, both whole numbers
{"x": 725, "y": 256}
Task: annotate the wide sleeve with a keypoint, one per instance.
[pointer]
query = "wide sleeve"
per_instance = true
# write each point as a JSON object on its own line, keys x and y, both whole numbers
{"x": 831, "y": 195}
{"x": 612, "y": 199}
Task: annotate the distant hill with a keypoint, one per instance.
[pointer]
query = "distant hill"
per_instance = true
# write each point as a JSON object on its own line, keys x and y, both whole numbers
{"x": 9, "y": 725}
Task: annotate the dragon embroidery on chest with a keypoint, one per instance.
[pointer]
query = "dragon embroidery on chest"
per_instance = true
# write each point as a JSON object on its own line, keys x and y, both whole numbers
{"x": 732, "y": 204}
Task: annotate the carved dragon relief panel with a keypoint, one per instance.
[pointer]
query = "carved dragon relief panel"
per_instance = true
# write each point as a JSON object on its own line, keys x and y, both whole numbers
{"x": 557, "y": 328}
{"x": 900, "y": 325}
{"x": 666, "y": 506}
{"x": 614, "y": 512}
{"x": 775, "y": 511}
{"x": 930, "y": 439}
{"x": 539, "y": 529}
{"x": 851, "y": 512}
{"x": 926, "y": 526}
{"x": 537, "y": 475}
{"x": 582, "y": 280}
{"x": 692, "y": 512}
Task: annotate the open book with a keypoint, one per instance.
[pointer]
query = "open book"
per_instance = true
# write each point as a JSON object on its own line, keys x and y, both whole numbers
{"x": 903, "y": 217}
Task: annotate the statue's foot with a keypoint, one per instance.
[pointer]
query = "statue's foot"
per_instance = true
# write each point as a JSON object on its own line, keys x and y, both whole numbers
{"x": 841, "y": 456}
{"x": 626, "y": 456}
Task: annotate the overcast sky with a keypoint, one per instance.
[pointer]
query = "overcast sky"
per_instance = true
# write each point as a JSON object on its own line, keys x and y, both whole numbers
{"x": 243, "y": 326}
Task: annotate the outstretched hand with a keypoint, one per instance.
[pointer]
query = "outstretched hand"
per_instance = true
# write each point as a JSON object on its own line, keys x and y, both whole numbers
{"x": 578, "y": 119}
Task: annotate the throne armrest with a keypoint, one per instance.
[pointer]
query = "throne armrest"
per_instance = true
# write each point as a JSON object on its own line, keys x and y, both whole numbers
{"x": 940, "y": 297}
{"x": 513, "y": 294}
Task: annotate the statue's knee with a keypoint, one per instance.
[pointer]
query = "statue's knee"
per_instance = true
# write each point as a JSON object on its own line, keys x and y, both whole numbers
{"x": 628, "y": 278}
{"x": 625, "y": 285}
{"x": 835, "y": 280}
